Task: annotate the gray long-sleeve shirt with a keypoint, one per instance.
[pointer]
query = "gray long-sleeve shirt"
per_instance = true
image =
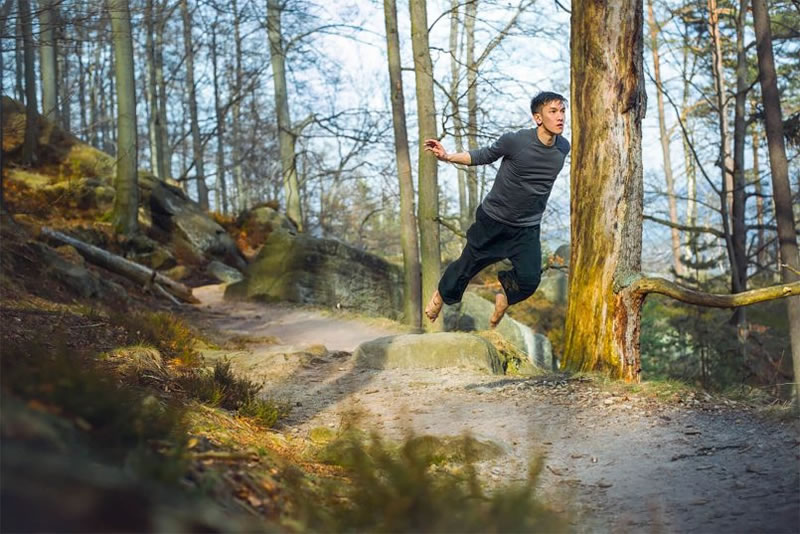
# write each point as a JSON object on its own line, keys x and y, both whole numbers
{"x": 525, "y": 179}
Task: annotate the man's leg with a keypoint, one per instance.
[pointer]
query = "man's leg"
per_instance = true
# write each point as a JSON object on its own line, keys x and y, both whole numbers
{"x": 519, "y": 283}
{"x": 477, "y": 254}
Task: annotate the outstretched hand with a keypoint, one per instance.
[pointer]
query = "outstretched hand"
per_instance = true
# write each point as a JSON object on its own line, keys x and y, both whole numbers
{"x": 435, "y": 147}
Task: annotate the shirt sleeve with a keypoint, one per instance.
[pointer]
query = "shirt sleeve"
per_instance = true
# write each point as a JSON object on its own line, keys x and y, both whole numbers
{"x": 488, "y": 154}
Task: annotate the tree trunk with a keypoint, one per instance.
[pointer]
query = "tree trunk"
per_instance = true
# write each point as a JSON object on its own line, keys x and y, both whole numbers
{"x": 665, "y": 152}
{"x": 761, "y": 255}
{"x": 197, "y": 142}
{"x": 453, "y": 97}
{"x": 83, "y": 81}
{"x": 48, "y": 17}
{"x": 472, "y": 105}
{"x": 781, "y": 191}
{"x": 222, "y": 190}
{"x": 164, "y": 153}
{"x": 242, "y": 202}
{"x": 126, "y": 198}
{"x": 94, "y": 96}
{"x": 725, "y": 163}
{"x": 408, "y": 221}
{"x": 739, "y": 193}
{"x": 66, "y": 85}
{"x": 30, "y": 145}
{"x": 602, "y": 324}
{"x": 19, "y": 59}
{"x": 427, "y": 169}
{"x": 155, "y": 130}
{"x": 286, "y": 135}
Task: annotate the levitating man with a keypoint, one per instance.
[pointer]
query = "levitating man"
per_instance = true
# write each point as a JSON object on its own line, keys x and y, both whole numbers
{"x": 507, "y": 221}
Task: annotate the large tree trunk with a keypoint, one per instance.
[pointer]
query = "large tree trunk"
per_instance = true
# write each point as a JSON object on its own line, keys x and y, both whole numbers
{"x": 48, "y": 17}
{"x": 197, "y": 142}
{"x": 665, "y": 152}
{"x": 31, "y": 142}
{"x": 408, "y": 221}
{"x": 126, "y": 198}
{"x": 739, "y": 193}
{"x": 472, "y": 105}
{"x": 602, "y": 326}
{"x": 781, "y": 191}
{"x": 222, "y": 190}
{"x": 286, "y": 135}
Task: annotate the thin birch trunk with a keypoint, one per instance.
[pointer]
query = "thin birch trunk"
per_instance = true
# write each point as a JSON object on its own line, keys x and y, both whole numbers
{"x": 472, "y": 104}
{"x": 760, "y": 242}
{"x": 242, "y": 200}
{"x": 164, "y": 153}
{"x": 30, "y": 144}
{"x": 222, "y": 190}
{"x": 455, "y": 74}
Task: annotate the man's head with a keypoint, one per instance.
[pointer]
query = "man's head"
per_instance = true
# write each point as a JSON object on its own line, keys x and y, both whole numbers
{"x": 549, "y": 110}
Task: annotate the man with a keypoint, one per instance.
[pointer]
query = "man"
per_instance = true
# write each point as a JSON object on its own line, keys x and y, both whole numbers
{"x": 507, "y": 221}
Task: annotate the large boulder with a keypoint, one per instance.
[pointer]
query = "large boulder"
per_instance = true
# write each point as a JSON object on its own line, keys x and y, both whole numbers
{"x": 306, "y": 270}
{"x": 174, "y": 212}
{"x": 553, "y": 286}
{"x": 473, "y": 313}
{"x": 429, "y": 351}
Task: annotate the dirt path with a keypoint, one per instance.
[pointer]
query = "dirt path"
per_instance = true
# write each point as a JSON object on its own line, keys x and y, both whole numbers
{"x": 621, "y": 464}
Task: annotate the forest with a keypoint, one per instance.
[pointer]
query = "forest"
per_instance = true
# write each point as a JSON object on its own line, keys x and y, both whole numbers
{"x": 221, "y": 228}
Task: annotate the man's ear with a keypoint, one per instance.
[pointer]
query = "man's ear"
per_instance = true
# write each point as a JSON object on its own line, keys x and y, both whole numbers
{"x": 537, "y": 119}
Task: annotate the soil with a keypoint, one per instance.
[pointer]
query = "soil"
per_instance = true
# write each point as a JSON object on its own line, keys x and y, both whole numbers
{"x": 621, "y": 462}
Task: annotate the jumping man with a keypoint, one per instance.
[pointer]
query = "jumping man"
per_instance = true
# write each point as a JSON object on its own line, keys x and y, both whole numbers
{"x": 507, "y": 221}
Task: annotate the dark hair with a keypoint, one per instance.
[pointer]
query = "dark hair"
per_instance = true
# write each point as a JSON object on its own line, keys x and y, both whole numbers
{"x": 543, "y": 98}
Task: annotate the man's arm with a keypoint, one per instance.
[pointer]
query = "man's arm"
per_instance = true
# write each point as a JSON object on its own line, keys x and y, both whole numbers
{"x": 435, "y": 147}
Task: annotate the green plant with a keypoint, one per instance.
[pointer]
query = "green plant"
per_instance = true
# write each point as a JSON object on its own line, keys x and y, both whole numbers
{"x": 168, "y": 333}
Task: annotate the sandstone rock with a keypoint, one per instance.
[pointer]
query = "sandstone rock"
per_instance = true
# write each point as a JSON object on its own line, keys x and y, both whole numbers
{"x": 307, "y": 270}
{"x": 265, "y": 219}
{"x": 429, "y": 351}
{"x": 473, "y": 313}
{"x": 553, "y": 286}
{"x": 223, "y": 273}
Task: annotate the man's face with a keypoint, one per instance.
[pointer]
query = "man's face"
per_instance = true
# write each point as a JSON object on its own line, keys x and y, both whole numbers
{"x": 551, "y": 117}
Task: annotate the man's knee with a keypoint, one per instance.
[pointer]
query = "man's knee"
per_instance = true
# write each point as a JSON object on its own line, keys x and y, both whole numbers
{"x": 528, "y": 282}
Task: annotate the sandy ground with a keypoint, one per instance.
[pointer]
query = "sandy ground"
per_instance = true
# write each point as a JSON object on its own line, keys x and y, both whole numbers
{"x": 612, "y": 464}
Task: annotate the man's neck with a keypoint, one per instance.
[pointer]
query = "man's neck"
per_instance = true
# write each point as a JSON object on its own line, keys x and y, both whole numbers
{"x": 545, "y": 137}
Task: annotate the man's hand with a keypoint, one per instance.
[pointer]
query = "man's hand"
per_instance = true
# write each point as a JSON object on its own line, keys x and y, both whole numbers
{"x": 435, "y": 147}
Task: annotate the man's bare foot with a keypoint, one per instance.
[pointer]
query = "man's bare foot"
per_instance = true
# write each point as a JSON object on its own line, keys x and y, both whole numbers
{"x": 434, "y": 306}
{"x": 500, "y": 307}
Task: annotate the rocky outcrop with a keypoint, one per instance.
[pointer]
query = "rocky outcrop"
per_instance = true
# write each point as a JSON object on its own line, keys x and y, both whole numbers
{"x": 473, "y": 313}
{"x": 324, "y": 272}
{"x": 429, "y": 351}
{"x": 223, "y": 273}
{"x": 553, "y": 286}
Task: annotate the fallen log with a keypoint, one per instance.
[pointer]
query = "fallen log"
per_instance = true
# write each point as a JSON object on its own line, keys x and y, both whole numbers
{"x": 118, "y": 264}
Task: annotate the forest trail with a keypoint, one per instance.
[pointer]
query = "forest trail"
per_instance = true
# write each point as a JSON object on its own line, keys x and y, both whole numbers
{"x": 615, "y": 460}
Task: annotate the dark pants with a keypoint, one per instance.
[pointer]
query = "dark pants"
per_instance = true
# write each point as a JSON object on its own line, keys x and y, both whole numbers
{"x": 489, "y": 241}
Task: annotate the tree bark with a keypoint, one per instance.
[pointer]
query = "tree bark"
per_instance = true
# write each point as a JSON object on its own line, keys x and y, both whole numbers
{"x": 19, "y": 59}
{"x": 222, "y": 189}
{"x": 761, "y": 256}
{"x": 126, "y": 198}
{"x": 408, "y": 222}
{"x": 286, "y": 135}
{"x": 602, "y": 324}
{"x": 197, "y": 142}
{"x": 458, "y": 127}
{"x": 165, "y": 152}
{"x": 781, "y": 190}
{"x": 739, "y": 193}
{"x": 427, "y": 170}
{"x": 31, "y": 142}
{"x": 665, "y": 152}
{"x": 48, "y": 17}
{"x": 158, "y": 160}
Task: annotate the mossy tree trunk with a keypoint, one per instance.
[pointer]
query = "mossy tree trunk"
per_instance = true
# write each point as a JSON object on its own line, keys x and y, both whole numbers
{"x": 412, "y": 305}
{"x": 427, "y": 173}
{"x": 608, "y": 102}
{"x": 126, "y": 198}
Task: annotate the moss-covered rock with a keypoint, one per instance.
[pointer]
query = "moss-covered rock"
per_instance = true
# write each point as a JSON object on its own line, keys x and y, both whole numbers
{"x": 429, "y": 351}
{"x": 325, "y": 272}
